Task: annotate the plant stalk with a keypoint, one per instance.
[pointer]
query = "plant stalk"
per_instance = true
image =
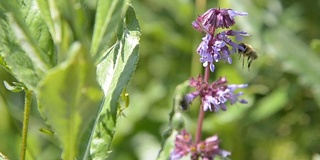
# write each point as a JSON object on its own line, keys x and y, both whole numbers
{"x": 201, "y": 111}
{"x": 26, "y": 114}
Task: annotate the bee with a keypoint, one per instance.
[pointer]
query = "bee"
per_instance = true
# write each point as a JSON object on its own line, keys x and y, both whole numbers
{"x": 247, "y": 52}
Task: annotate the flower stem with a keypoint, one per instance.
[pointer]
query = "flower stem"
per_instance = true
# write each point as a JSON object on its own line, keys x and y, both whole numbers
{"x": 199, "y": 127}
{"x": 27, "y": 106}
{"x": 201, "y": 111}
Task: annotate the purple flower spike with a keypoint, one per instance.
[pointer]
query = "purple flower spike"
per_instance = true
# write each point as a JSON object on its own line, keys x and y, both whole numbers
{"x": 210, "y": 148}
{"x": 215, "y": 95}
{"x": 207, "y": 149}
{"x": 182, "y": 145}
{"x": 216, "y": 18}
{"x": 213, "y": 49}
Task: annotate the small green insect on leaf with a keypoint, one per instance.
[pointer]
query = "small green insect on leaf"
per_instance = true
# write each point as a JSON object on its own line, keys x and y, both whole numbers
{"x": 125, "y": 98}
{"x": 123, "y": 103}
{"x": 120, "y": 112}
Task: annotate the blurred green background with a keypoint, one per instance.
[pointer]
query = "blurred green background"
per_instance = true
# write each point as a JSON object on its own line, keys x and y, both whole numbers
{"x": 281, "y": 120}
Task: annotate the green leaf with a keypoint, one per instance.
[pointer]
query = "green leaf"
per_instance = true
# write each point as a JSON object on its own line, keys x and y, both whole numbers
{"x": 51, "y": 16}
{"x": 26, "y": 45}
{"x": 114, "y": 73}
{"x": 31, "y": 32}
{"x": 21, "y": 67}
{"x": 13, "y": 58}
{"x": 107, "y": 15}
{"x": 69, "y": 99}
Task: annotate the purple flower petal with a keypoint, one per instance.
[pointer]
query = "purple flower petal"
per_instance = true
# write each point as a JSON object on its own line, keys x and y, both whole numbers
{"x": 216, "y": 18}
{"x": 217, "y": 94}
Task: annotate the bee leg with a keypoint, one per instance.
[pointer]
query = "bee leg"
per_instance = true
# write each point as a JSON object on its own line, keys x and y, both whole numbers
{"x": 242, "y": 61}
{"x": 249, "y": 63}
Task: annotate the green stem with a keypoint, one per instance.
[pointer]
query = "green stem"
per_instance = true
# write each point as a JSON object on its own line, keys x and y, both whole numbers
{"x": 26, "y": 114}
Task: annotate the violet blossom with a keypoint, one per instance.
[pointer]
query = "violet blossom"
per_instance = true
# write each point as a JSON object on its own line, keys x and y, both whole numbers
{"x": 215, "y": 95}
{"x": 213, "y": 49}
{"x": 216, "y": 18}
{"x": 207, "y": 149}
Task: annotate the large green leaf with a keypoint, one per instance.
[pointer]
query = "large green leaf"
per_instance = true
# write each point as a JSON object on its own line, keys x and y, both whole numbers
{"x": 114, "y": 73}
{"x": 69, "y": 99}
{"x": 107, "y": 15}
{"x": 51, "y": 16}
{"x": 66, "y": 21}
{"x": 26, "y": 46}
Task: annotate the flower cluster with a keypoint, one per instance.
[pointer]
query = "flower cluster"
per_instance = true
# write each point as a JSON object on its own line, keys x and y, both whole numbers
{"x": 216, "y": 18}
{"x": 207, "y": 149}
{"x": 214, "y": 47}
{"x": 214, "y": 95}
